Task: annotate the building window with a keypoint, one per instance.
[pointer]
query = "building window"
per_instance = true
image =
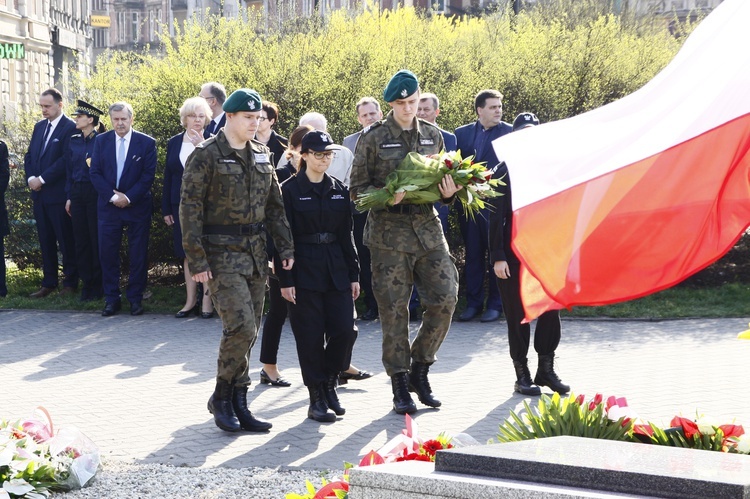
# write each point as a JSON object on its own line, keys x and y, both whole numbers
{"x": 121, "y": 27}
{"x": 101, "y": 38}
{"x": 135, "y": 27}
{"x": 678, "y": 4}
{"x": 98, "y": 5}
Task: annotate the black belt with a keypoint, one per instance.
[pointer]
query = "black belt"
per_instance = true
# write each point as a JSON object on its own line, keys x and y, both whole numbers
{"x": 407, "y": 209}
{"x": 319, "y": 238}
{"x": 234, "y": 230}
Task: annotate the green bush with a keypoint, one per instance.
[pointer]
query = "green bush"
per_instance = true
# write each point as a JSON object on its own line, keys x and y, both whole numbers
{"x": 556, "y": 61}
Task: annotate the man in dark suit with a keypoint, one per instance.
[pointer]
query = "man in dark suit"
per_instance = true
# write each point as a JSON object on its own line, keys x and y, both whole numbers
{"x": 476, "y": 139}
{"x": 122, "y": 172}
{"x": 44, "y": 164}
{"x": 4, "y": 228}
{"x": 215, "y": 94}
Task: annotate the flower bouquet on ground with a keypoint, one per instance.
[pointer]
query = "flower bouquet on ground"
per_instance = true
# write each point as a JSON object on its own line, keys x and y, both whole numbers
{"x": 418, "y": 177}
{"x": 612, "y": 419}
{"x": 34, "y": 460}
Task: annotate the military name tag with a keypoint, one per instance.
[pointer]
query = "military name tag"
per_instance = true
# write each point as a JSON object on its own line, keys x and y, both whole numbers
{"x": 261, "y": 158}
{"x": 305, "y": 199}
{"x": 227, "y": 160}
{"x": 426, "y": 142}
{"x": 337, "y": 196}
{"x": 390, "y": 146}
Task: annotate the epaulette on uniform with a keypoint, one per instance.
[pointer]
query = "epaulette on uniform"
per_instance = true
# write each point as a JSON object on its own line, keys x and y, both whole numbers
{"x": 372, "y": 126}
{"x": 425, "y": 122}
{"x": 206, "y": 142}
{"x": 76, "y": 135}
{"x": 258, "y": 146}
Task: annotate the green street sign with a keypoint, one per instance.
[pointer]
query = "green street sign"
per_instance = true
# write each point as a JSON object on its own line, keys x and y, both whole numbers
{"x": 12, "y": 51}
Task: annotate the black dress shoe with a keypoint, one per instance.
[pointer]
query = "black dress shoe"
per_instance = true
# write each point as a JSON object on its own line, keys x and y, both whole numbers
{"x": 490, "y": 315}
{"x": 468, "y": 314}
{"x": 265, "y": 379}
{"x": 42, "y": 292}
{"x": 186, "y": 313}
{"x": 344, "y": 376}
{"x": 111, "y": 308}
{"x": 207, "y": 315}
{"x": 136, "y": 308}
{"x": 370, "y": 315}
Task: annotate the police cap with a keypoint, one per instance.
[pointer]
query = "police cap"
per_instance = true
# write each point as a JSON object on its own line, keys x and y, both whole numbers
{"x": 83, "y": 107}
{"x": 524, "y": 120}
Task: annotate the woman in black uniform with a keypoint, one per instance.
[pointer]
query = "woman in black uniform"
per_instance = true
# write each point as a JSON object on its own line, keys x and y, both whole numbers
{"x": 82, "y": 199}
{"x": 324, "y": 281}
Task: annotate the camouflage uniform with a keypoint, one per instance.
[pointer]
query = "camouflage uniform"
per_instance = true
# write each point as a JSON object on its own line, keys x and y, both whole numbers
{"x": 224, "y": 188}
{"x": 406, "y": 248}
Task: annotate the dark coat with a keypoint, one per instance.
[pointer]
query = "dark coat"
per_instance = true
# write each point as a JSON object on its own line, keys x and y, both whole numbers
{"x": 501, "y": 222}
{"x": 4, "y": 180}
{"x": 49, "y": 162}
{"x": 318, "y": 265}
{"x": 137, "y": 176}
{"x": 219, "y": 126}
{"x": 277, "y": 144}
{"x": 465, "y": 136}
{"x": 173, "y": 170}
{"x": 80, "y": 149}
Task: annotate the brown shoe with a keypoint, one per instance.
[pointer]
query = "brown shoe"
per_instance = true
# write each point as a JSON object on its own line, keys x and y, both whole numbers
{"x": 42, "y": 292}
{"x": 67, "y": 291}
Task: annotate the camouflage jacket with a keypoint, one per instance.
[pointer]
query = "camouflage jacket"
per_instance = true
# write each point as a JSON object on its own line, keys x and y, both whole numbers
{"x": 380, "y": 149}
{"x": 221, "y": 187}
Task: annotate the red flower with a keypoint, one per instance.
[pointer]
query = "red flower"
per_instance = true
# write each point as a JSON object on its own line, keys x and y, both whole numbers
{"x": 596, "y": 401}
{"x": 371, "y": 458}
{"x": 643, "y": 429}
{"x": 689, "y": 428}
{"x": 731, "y": 430}
{"x": 329, "y": 489}
{"x": 431, "y": 446}
{"x": 414, "y": 456}
{"x": 449, "y": 164}
{"x": 580, "y": 399}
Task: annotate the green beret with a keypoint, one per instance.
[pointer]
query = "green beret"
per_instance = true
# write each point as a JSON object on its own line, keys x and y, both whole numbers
{"x": 241, "y": 100}
{"x": 402, "y": 85}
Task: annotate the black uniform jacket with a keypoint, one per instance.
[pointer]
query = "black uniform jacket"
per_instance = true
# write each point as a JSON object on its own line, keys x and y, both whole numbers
{"x": 310, "y": 211}
{"x": 501, "y": 221}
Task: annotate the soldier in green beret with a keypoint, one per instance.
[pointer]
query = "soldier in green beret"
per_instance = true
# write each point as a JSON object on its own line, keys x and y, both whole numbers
{"x": 407, "y": 245}
{"x": 230, "y": 195}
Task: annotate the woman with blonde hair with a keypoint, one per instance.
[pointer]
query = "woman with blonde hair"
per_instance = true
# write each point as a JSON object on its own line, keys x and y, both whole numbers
{"x": 194, "y": 116}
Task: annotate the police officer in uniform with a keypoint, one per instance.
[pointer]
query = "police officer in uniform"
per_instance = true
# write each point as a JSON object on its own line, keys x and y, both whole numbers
{"x": 507, "y": 268}
{"x": 229, "y": 196}
{"x": 407, "y": 245}
{"x": 325, "y": 280}
{"x": 82, "y": 199}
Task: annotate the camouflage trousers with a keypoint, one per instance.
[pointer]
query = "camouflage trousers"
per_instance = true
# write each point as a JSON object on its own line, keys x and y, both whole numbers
{"x": 239, "y": 301}
{"x": 436, "y": 279}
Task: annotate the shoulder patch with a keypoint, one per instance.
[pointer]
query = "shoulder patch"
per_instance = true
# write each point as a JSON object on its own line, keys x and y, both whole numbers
{"x": 371, "y": 127}
{"x": 258, "y": 146}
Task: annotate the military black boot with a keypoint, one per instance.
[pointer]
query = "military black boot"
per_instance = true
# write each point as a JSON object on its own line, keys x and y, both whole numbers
{"x": 402, "y": 402}
{"x": 546, "y": 375}
{"x": 245, "y": 417}
{"x": 332, "y": 398}
{"x": 419, "y": 383}
{"x": 318, "y": 407}
{"x": 220, "y": 405}
{"x": 523, "y": 384}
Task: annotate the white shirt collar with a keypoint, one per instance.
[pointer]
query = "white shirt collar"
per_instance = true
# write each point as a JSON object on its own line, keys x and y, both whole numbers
{"x": 56, "y": 121}
{"x": 218, "y": 118}
{"x": 127, "y": 137}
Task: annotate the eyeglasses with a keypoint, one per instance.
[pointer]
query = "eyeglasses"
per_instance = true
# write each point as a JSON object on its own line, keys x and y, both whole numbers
{"x": 199, "y": 116}
{"x": 262, "y": 119}
{"x": 209, "y": 97}
{"x": 321, "y": 155}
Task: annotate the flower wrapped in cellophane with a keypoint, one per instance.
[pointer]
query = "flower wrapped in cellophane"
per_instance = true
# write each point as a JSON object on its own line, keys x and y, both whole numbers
{"x": 418, "y": 177}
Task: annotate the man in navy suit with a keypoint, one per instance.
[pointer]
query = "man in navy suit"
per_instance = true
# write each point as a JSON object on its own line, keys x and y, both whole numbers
{"x": 122, "y": 172}
{"x": 44, "y": 164}
{"x": 476, "y": 139}
{"x": 215, "y": 94}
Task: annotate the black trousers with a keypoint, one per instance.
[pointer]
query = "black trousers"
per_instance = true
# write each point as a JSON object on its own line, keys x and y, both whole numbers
{"x": 363, "y": 253}
{"x": 54, "y": 228}
{"x": 275, "y": 318}
{"x": 547, "y": 332}
{"x": 3, "y": 286}
{"x": 323, "y": 328}
{"x": 83, "y": 200}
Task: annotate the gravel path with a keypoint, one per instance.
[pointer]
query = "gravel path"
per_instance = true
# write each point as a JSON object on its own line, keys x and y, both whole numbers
{"x": 120, "y": 480}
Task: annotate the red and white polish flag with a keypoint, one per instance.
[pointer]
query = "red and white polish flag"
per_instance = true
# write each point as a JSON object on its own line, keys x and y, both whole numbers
{"x": 635, "y": 196}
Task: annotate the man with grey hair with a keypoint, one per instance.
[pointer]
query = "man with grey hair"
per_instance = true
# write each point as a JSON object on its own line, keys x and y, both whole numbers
{"x": 215, "y": 94}
{"x": 368, "y": 112}
{"x": 122, "y": 171}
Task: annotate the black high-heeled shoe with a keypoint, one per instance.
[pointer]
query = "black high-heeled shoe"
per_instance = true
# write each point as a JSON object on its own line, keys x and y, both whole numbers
{"x": 186, "y": 313}
{"x": 265, "y": 379}
{"x": 207, "y": 315}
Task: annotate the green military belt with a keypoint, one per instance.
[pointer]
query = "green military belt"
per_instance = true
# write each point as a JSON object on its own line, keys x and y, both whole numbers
{"x": 234, "y": 230}
{"x": 319, "y": 238}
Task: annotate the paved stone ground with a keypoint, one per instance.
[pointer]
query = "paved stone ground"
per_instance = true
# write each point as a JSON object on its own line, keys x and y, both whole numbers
{"x": 138, "y": 385}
